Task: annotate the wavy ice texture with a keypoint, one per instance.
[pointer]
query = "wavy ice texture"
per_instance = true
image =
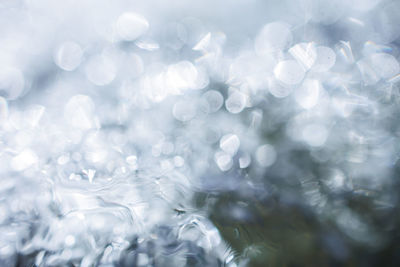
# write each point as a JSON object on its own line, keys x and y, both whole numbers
{"x": 114, "y": 115}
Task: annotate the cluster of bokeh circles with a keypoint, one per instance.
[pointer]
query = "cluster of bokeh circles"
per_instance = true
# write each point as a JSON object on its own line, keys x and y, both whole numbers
{"x": 116, "y": 117}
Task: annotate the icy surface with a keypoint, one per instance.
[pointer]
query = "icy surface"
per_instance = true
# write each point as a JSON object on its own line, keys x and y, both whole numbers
{"x": 165, "y": 133}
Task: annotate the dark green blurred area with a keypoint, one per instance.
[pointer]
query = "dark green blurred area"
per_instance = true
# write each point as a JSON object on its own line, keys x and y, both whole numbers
{"x": 267, "y": 220}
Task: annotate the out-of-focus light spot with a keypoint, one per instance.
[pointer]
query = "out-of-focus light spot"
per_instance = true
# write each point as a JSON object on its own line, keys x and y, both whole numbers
{"x": 142, "y": 259}
{"x": 385, "y": 65}
{"x": 223, "y": 160}
{"x": 236, "y": 102}
{"x": 336, "y": 180}
{"x": 75, "y": 177}
{"x": 68, "y": 56}
{"x": 277, "y": 89}
{"x": 315, "y": 134}
{"x": 289, "y": 72}
{"x": 179, "y": 161}
{"x": 101, "y": 70}
{"x": 96, "y": 156}
{"x": 184, "y": 110}
{"x": 214, "y": 100}
{"x": 62, "y": 160}
{"x": 325, "y": 60}
{"x": 266, "y": 155}
{"x": 273, "y": 37}
{"x": 182, "y": 76}
{"x": 166, "y": 165}
{"x": 12, "y": 83}
{"x": 131, "y": 25}
{"x": 69, "y": 240}
{"x": 24, "y": 160}
{"x": 230, "y": 144}
{"x": 131, "y": 160}
{"x": 368, "y": 73}
{"x": 305, "y": 54}
{"x": 79, "y": 112}
{"x": 244, "y": 161}
{"x": 308, "y": 93}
